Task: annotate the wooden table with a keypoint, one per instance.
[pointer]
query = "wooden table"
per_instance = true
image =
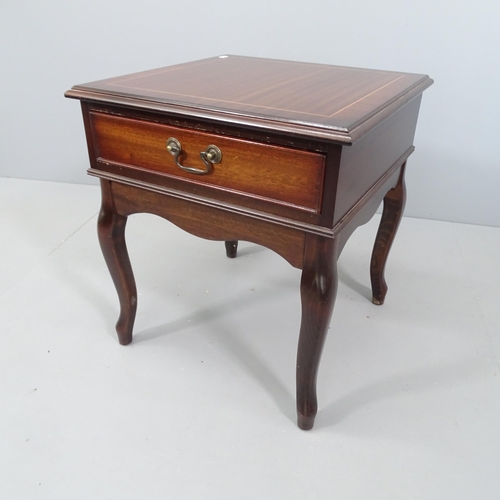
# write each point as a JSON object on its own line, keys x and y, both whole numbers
{"x": 289, "y": 155}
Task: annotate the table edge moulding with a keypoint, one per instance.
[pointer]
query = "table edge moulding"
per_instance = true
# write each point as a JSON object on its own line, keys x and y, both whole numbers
{"x": 293, "y": 156}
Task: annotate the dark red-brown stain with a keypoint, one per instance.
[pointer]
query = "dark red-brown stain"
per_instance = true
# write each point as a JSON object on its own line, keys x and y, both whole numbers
{"x": 309, "y": 152}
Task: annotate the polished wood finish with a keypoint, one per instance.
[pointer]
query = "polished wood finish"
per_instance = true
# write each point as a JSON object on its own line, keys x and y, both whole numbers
{"x": 317, "y": 100}
{"x": 394, "y": 205}
{"x": 211, "y": 223}
{"x": 309, "y": 153}
{"x": 231, "y": 249}
{"x": 363, "y": 164}
{"x": 318, "y": 289}
{"x": 281, "y": 175}
{"x": 111, "y": 232}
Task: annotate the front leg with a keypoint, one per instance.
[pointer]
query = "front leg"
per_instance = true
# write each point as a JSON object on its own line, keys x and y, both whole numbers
{"x": 394, "y": 204}
{"x": 111, "y": 231}
{"x": 318, "y": 289}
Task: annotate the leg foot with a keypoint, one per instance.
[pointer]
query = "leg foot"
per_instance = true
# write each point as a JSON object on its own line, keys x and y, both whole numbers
{"x": 318, "y": 289}
{"x": 231, "y": 249}
{"x": 394, "y": 203}
{"x": 305, "y": 423}
{"x": 111, "y": 231}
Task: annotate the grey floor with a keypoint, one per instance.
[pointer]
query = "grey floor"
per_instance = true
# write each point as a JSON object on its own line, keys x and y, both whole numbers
{"x": 201, "y": 405}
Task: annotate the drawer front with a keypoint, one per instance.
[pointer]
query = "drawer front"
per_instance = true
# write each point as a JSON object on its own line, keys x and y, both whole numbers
{"x": 277, "y": 174}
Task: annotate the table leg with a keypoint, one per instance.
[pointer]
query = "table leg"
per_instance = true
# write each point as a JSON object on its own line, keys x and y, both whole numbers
{"x": 231, "y": 249}
{"x": 318, "y": 289}
{"x": 111, "y": 231}
{"x": 394, "y": 204}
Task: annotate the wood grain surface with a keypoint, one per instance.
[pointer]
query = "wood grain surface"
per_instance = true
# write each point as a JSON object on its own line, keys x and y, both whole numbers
{"x": 308, "y": 154}
{"x": 287, "y": 176}
{"x": 312, "y": 99}
{"x": 210, "y": 222}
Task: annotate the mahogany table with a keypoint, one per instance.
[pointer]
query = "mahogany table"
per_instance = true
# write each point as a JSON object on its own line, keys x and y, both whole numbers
{"x": 289, "y": 155}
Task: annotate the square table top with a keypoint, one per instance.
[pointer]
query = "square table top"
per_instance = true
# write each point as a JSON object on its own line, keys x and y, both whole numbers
{"x": 316, "y": 100}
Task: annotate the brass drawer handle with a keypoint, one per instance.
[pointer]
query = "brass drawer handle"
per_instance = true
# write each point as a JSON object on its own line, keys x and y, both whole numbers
{"x": 210, "y": 156}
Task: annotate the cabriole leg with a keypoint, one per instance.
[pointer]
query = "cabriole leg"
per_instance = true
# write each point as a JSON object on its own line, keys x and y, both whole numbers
{"x": 318, "y": 289}
{"x": 111, "y": 231}
{"x": 394, "y": 204}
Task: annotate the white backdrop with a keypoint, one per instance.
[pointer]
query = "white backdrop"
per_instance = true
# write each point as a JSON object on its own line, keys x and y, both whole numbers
{"x": 454, "y": 175}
